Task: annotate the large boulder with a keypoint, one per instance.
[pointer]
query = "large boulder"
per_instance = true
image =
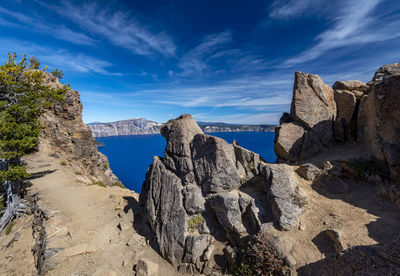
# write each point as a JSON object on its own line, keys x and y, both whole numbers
{"x": 309, "y": 130}
{"x": 289, "y": 138}
{"x": 358, "y": 88}
{"x": 287, "y": 198}
{"x": 382, "y": 117}
{"x": 313, "y": 101}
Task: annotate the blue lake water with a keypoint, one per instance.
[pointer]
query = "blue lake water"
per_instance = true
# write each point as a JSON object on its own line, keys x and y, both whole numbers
{"x": 130, "y": 156}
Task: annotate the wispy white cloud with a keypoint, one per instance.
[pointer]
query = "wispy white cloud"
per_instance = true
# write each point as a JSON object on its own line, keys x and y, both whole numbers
{"x": 58, "y": 58}
{"x": 119, "y": 27}
{"x": 36, "y": 24}
{"x": 354, "y": 24}
{"x": 289, "y": 8}
{"x": 194, "y": 61}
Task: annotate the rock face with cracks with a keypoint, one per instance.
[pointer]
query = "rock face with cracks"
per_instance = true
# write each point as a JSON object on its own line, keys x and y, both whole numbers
{"x": 206, "y": 190}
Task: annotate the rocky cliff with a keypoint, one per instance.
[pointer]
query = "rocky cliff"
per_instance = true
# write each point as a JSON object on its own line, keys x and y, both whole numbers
{"x": 64, "y": 130}
{"x": 143, "y": 126}
{"x": 206, "y": 198}
{"x": 125, "y": 127}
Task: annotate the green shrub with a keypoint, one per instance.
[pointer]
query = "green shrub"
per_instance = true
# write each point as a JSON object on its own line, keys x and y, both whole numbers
{"x": 63, "y": 163}
{"x": 366, "y": 167}
{"x": 98, "y": 183}
{"x": 195, "y": 223}
{"x": 106, "y": 166}
{"x": 260, "y": 257}
{"x": 9, "y": 228}
{"x": 78, "y": 173}
{"x": 119, "y": 184}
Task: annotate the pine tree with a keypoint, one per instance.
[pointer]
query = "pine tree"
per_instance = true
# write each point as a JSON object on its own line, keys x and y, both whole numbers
{"x": 23, "y": 98}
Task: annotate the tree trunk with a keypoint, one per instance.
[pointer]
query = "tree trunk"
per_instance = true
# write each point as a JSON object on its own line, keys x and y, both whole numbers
{"x": 12, "y": 190}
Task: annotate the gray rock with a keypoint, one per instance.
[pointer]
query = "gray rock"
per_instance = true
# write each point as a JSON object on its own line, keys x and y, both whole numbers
{"x": 179, "y": 133}
{"x": 308, "y": 171}
{"x": 227, "y": 209}
{"x": 286, "y": 198}
{"x": 146, "y": 267}
{"x": 313, "y": 101}
{"x": 214, "y": 164}
{"x": 289, "y": 140}
{"x": 162, "y": 197}
{"x": 195, "y": 248}
{"x": 345, "y": 102}
{"x": 351, "y": 85}
{"x": 247, "y": 160}
{"x": 382, "y": 117}
{"x": 194, "y": 201}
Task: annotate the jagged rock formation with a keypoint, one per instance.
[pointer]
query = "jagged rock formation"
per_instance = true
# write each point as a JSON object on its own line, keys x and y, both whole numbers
{"x": 63, "y": 128}
{"x": 143, "y": 126}
{"x": 206, "y": 197}
{"x": 354, "y": 110}
{"x": 381, "y": 116}
{"x": 205, "y": 189}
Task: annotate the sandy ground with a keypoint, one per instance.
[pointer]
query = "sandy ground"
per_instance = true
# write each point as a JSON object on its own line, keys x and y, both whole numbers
{"x": 89, "y": 230}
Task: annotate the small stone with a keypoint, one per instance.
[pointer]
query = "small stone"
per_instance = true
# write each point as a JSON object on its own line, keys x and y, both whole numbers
{"x": 308, "y": 171}
{"x": 146, "y": 267}
{"x": 336, "y": 237}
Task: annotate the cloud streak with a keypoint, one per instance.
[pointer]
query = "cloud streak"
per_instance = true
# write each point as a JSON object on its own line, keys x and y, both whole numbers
{"x": 194, "y": 61}
{"x": 118, "y": 27}
{"x": 58, "y": 58}
{"x": 355, "y": 24}
{"x": 37, "y": 24}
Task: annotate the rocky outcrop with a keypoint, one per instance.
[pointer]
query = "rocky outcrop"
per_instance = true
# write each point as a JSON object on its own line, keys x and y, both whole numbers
{"x": 63, "y": 128}
{"x": 309, "y": 128}
{"x": 206, "y": 190}
{"x": 143, "y": 126}
{"x": 381, "y": 117}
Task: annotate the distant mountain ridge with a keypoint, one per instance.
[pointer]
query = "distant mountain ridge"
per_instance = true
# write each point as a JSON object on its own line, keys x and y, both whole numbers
{"x": 143, "y": 126}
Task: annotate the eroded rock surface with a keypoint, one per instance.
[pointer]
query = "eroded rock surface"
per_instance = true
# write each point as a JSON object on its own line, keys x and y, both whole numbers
{"x": 206, "y": 190}
{"x": 63, "y": 128}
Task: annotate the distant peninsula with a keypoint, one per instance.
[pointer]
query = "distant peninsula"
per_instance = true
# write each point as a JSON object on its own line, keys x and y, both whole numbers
{"x": 142, "y": 126}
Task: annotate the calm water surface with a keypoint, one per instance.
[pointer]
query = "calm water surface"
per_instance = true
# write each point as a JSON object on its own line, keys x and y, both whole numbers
{"x": 130, "y": 156}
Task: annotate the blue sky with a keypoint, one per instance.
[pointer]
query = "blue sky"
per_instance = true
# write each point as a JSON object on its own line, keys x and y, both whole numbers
{"x": 230, "y": 61}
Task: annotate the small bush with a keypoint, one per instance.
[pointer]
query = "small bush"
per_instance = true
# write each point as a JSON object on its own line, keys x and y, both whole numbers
{"x": 98, "y": 183}
{"x": 363, "y": 168}
{"x": 9, "y": 228}
{"x": 63, "y": 163}
{"x": 78, "y": 173}
{"x": 260, "y": 258}
{"x": 119, "y": 184}
{"x": 195, "y": 222}
{"x": 106, "y": 166}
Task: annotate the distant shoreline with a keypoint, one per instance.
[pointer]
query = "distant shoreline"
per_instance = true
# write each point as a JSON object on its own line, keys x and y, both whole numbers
{"x": 206, "y": 132}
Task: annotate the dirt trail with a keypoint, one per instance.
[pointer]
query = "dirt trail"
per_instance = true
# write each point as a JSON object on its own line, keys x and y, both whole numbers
{"x": 89, "y": 228}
